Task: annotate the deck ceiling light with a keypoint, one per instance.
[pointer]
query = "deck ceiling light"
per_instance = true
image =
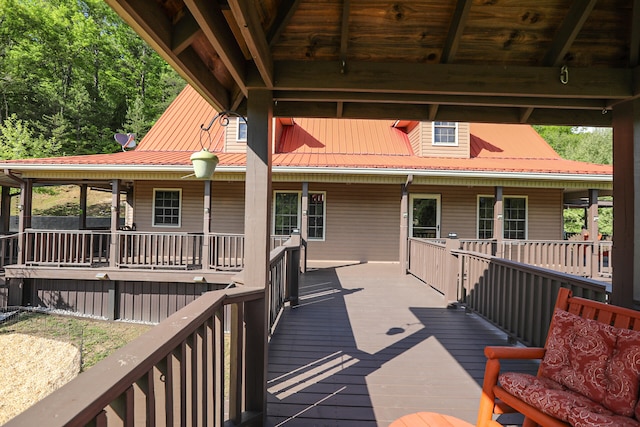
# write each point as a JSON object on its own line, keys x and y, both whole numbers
{"x": 204, "y": 161}
{"x": 199, "y": 279}
{"x": 102, "y": 276}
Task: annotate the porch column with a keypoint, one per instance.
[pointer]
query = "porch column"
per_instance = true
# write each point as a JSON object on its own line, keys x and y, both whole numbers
{"x": 592, "y": 227}
{"x": 626, "y": 203}
{"x": 82, "y": 225}
{"x": 304, "y": 227}
{"x": 115, "y": 222}
{"x": 257, "y": 223}
{"x": 404, "y": 226}
{"x": 498, "y": 220}
{"x": 206, "y": 226}
{"x": 5, "y": 209}
{"x": 24, "y": 217}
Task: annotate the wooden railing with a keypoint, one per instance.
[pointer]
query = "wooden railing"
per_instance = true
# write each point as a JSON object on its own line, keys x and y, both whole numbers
{"x": 516, "y": 297}
{"x": 582, "y": 258}
{"x": 159, "y": 250}
{"x": 60, "y": 248}
{"x": 8, "y": 249}
{"x": 175, "y": 373}
{"x": 427, "y": 261}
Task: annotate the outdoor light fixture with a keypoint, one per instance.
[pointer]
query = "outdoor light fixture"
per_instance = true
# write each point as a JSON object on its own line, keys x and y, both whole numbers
{"x": 102, "y": 276}
{"x": 199, "y": 279}
{"x": 204, "y": 161}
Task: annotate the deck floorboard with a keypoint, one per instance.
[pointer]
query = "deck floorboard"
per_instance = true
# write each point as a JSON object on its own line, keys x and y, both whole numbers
{"x": 367, "y": 345}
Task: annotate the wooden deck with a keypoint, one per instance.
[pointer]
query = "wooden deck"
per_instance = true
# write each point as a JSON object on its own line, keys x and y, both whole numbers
{"x": 367, "y": 345}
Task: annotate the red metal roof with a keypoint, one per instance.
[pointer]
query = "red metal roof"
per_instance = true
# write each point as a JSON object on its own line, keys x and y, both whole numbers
{"x": 334, "y": 144}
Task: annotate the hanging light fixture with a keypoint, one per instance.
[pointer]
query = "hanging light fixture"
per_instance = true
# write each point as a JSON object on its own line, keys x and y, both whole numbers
{"x": 205, "y": 161}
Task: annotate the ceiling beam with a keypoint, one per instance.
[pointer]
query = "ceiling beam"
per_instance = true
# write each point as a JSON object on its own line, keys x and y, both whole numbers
{"x": 401, "y": 98}
{"x": 445, "y": 113}
{"x": 285, "y": 13}
{"x": 184, "y": 32}
{"x": 344, "y": 33}
{"x": 209, "y": 17}
{"x": 150, "y": 21}
{"x": 244, "y": 11}
{"x": 448, "y": 79}
{"x": 458, "y": 23}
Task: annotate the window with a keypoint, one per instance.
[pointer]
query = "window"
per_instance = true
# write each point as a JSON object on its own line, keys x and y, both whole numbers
{"x": 514, "y": 217}
{"x": 166, "y": 207}
{"x": 485, "y": 217}
{"x": 286, "y": 214}
{"x": 445, "y": 133}
{"x": 316, "y": 216}
{"x": 241, "y": 134}
{"x": 286, "y": 217}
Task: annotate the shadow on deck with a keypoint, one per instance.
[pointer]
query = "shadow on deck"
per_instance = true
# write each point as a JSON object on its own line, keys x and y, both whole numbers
{"x": 367, "y": 345}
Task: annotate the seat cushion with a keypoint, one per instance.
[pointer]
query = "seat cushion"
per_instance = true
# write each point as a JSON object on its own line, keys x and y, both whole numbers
{"x": 558, "y": 401}
{"x": 595, "y": 360}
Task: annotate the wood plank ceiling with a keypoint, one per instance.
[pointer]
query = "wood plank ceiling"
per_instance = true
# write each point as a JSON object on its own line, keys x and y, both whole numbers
{"x": 511, "y": 61}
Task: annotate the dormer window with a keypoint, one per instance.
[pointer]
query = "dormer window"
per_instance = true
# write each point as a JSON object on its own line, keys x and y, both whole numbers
{"x": 445, "y": 133}
{"x": 241, "y": 134}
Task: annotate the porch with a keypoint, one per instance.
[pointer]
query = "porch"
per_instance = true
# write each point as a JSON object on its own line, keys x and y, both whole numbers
{"x": 366, "y": 346}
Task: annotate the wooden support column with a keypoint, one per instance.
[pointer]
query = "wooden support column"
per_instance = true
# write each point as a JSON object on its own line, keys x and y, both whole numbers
{"x": 206, "y": 227}
{"x": 404, "y": 226}
{"x": 82, "y": 225}
{"x": 24, "y": 217}
{"x": 115, "y": 221}
{"x": 626, "y": 204}
{"x": 498, "y": 220}
{"x": 304, "y": 227}
{"x": 5, "y": 210}
{"x": 257, "y": 224}
{"x": 592, "y": 226}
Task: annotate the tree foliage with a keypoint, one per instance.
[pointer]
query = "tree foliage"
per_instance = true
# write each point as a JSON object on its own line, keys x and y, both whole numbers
{"x": 585, "y": 145}
{"x": 72, "y": 74}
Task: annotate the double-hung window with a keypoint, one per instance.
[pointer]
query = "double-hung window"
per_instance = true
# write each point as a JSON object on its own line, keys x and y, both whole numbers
{"x": 287, "y": 210}
{"x": 514, "y": 217}
{"x": 167, "y": 207}
{"x": 445, "y": 133}
{"x": 241, "y": 131}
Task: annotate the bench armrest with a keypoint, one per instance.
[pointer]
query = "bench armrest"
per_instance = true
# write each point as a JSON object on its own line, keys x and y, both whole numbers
{"x": 496, "y": 352}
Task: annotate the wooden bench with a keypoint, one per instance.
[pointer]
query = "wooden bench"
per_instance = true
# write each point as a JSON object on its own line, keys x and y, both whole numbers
{"x": 589, "y": 371}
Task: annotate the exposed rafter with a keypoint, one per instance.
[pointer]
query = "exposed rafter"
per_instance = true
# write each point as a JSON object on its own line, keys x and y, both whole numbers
{"x": 285, "y": 13}
{"x": 456, "y": 29}
{"x": 149, "y": 20}
{"x": 184, "y": 32}
{"x": 212, "y": 23}
{"x": 246, "y": 16}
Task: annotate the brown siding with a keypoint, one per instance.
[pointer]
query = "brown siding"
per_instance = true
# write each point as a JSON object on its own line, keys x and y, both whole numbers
{"x": 82, "y": 296}
{"x": 544, "y": 211}
{"x": 231, "y": 145}
{"x": 362, "y": 223}
{"x": 462, "y": 150}
{"x": 415, "y": 138}
{"x": 192, "y": 205}
{"x": 228, "y": 207}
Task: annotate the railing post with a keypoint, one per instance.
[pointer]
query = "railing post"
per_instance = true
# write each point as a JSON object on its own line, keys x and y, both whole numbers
{"x": 293, "y": 270}
{"x": 115, "y": 221}
{"x": 451, "y": 273}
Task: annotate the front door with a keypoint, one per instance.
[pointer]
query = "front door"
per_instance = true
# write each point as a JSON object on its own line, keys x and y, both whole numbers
{"x": 425, "y": 216}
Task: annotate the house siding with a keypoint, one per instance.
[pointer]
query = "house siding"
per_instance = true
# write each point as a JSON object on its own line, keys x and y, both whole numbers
{"x": 415, "y": 139}
{"x": 231, "y": 144}
{"x": 192, "y": 205}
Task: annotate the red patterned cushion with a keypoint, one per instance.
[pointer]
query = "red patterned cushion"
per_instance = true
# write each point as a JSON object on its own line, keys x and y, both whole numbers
{"x": 595, "y": 360}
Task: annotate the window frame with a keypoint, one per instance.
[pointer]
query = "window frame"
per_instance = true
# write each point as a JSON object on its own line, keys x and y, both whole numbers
{"x": 485, "y": 196}
{"x": 438, "y": 199}
{"x": 300, "y": 213}
{"x": 153, "y": 209}
{"x": 504, "y": 219}
{"x": 239, "y": 123}
{"x": 435, "y": 125}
